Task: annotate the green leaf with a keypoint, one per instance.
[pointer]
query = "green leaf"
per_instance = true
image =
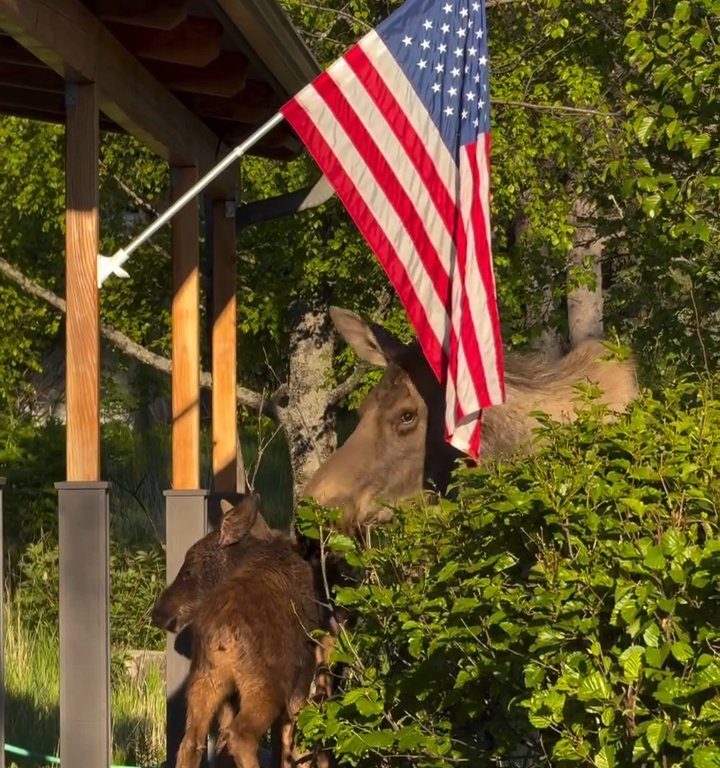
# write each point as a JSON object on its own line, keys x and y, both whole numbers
{"x": 651, "y": 635}
{"x": 540, "y": 721}
{"x": 631, "y": 662}
{"x": 379, "y": 739}
{"x": 656, "y": 735}
{"x": 682, "y": 651}
{"x": 698, "y": 144}
{"x": 594, "y": 686}
{"x": 682, "y": 11}
{"x": 706, "y": 757}
{"x": 642, "y": 129}
{"x": 605, "y": 758}
{"x": 655, "y": 558}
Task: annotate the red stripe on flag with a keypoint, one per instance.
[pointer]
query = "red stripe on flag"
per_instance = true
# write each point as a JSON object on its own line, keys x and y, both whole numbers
{"x": 484, "y": 261}
{"x": 475, "y": 439}
{"x": 346, "y": 190}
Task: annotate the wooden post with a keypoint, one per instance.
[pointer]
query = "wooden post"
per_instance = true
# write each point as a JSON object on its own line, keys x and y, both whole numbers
{"x": 185, "y": 505}
{"x": 83, "y": 245}
{"x": 85, "y": 737}
{"x": 224, "y": 349}
{"x": 185, "y": 338}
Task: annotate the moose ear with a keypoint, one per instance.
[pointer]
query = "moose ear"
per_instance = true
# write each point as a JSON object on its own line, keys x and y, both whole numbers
{"x": 238, "y": 521}
{"x": 371, "y": 343}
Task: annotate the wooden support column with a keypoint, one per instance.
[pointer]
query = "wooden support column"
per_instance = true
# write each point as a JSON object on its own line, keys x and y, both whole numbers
{"x": 185, "y": 505}
{"x": 85, "y": 737}
{"x": 185, "y": 338}
{"x": 83, "y": 315}
{"x": 224, "y": 349}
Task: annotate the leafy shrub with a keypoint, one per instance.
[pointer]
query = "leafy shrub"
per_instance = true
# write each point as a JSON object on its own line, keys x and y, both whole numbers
{"x": 563, "y": 610}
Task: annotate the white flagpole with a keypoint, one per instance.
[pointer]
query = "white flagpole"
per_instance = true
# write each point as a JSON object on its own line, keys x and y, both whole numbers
{"x": 109, "y": 265}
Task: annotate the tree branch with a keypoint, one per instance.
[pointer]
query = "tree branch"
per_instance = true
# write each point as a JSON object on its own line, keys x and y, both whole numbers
{"x": 554, "y": 108}
{"x": 346, "y": 387}
{"x": 335, "y": 12}
{"x": 141, "y": 202}
{"x": 245, "y": 397}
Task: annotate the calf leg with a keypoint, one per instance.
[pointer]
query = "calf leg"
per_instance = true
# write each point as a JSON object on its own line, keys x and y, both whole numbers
{"x": 258, "y": 710}
{"x": 283, "y": 753}
{"x": 204, "y": 696}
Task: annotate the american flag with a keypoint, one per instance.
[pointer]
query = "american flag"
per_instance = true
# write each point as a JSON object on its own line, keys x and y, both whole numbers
{"x": 400, "y": 125}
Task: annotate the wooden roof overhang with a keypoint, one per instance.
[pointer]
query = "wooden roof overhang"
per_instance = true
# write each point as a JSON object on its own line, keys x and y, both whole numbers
{"x": 188, "y": 78}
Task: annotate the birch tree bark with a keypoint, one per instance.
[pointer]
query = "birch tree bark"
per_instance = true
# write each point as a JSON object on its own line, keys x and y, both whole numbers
{"x": 584, "y": 276}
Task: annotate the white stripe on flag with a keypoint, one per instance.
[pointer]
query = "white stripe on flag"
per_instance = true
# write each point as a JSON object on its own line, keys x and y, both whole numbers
{"x": 463, "y": 433}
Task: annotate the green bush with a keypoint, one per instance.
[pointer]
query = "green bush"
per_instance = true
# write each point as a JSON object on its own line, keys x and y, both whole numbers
{"x": 563, "y": 610}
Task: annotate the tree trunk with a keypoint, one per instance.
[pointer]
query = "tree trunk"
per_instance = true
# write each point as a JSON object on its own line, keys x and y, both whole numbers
{"x": 308, "y": 419}
{"x": 584, "y": 301}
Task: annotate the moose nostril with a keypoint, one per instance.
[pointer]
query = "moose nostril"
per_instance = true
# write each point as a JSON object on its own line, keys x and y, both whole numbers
{"x": 158, "y": 617}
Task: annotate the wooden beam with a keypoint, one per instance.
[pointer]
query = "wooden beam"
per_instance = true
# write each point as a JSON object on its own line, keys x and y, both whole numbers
{"x": 185, "y": 337}
{"x": 281, "y": 137}
{"x": 68, "y": 38}
{"x": 159, "y": 14}
{"x": 83, "y": 316}
{"x": 271, "y": 34}
{"x": 224, "y": 348}
{"x": 51, "y": 103}
{"x": 234, "y": 110}
{"x": 194, "y": 42}
{"x": 30, "y": 78}
{"x": 223, "y": 77}
{"x": 12, "y": 52}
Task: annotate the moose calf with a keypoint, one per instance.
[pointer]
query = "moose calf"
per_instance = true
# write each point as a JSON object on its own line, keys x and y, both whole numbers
{"x": 250, "y": 599}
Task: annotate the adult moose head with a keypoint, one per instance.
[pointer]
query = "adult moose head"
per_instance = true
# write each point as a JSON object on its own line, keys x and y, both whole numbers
{"x": 398, "y": 447}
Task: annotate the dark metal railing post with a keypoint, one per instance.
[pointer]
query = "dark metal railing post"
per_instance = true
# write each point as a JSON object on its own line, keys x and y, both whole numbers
{"x": 185, "y": 523}
{"x": 85, "y": 734}
{"x": 2, "y": 633}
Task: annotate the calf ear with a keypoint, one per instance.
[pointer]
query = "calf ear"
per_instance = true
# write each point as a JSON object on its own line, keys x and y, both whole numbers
{"x": 371, "y": 343}
{"x": 260, "y": 529}
{"x": 238, "y": 521}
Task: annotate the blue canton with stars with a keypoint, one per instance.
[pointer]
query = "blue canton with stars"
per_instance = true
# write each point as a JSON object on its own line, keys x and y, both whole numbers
{"x": 442, "y": 48}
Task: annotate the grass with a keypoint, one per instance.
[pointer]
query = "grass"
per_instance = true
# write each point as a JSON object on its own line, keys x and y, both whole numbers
{"x": 32, "y": 698}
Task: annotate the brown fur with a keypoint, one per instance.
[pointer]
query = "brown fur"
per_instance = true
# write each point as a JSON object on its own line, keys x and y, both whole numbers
{"x": 398, "y": 447}
{"x": 252, "y": 639}
{"x": 250, "y": 599}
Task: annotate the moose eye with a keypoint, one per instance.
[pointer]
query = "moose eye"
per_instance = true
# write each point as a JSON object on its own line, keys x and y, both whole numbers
{"x": 408, "y": 417}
